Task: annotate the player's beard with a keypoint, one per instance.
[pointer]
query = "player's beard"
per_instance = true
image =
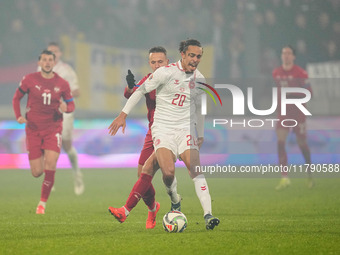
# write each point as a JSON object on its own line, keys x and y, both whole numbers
{"x": 46, "y": 71}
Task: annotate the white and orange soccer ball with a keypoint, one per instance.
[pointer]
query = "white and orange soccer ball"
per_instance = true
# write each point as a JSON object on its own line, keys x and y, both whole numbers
{"x": 174, "y": 222}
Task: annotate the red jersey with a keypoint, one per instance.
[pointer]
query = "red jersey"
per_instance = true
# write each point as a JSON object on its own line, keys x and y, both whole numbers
{"x": 150, "y": 99}
{"x": 42, "y": 109}
{"x": 295, "y": 77}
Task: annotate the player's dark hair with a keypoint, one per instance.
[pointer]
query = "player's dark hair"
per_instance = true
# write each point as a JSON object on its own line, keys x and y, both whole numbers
{"x": 157, "y": 49}
{"x": 46, "y": 52}
{"x": 290, "y": 47}
{"x": 184, "y": 45}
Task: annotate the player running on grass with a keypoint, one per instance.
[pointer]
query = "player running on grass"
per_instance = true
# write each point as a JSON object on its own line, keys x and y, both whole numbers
{"x": 66, "y": 72}
{"x": 157, "y": 58}
{"x": 291, "y": 75}
{"x": 173, "y": 131}
{"x": 44, "y": 117}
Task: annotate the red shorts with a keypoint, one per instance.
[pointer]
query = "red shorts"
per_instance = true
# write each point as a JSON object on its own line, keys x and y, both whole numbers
{"x": 299, "y": 129}
{"x": 39, "y": 140}
{"x": 147, "y": 148}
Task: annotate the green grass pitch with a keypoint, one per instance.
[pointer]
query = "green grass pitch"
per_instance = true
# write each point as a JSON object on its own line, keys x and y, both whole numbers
{"x": 255, "y": 219}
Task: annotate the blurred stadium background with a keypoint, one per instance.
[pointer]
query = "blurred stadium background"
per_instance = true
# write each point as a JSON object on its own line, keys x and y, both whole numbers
{"x": 103, "y": 38}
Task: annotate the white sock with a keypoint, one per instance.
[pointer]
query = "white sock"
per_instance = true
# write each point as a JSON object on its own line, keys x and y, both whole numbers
{"x": 42, "y": 203}
{"x": 73, "y": 157}
{"x": 172, "y": 191}
{"x": 202, "y": 192}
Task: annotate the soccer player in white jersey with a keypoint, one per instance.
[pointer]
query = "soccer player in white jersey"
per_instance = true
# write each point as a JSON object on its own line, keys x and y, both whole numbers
{"x": 176, "y": 119}
{"x": 66, "y": 71}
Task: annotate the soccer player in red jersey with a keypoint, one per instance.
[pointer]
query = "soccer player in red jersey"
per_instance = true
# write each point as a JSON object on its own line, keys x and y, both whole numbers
{"x": 157, "y": 58}
{"x": 49, "y": 96}
{"x": 291, "y": 75}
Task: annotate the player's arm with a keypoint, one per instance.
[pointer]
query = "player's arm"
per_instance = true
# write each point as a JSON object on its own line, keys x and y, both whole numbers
{"x": 19, "y": 93}
{"x": 132, "y": 87}
{"x": 67, "y": 104}
{"x": 120, "y": 121}
{"x": 131, "y": 84}
{"x": 154, "y": 80}
{"x": 128, "y": 92}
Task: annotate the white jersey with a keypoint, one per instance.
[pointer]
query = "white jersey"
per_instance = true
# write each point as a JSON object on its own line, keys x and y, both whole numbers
{"x": 66, "y": 72}
{"x": 177, "y": 96}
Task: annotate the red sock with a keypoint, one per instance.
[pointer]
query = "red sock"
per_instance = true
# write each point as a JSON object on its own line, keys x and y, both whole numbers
{"x": 138, "y": 191}
{"x": 149, "y": 197}
{"x": 47, "y": 185}
{"x": 281, "y": 148}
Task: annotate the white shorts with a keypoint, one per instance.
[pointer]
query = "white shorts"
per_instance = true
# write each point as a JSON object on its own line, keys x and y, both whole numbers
{"x": 176, "y": 140}
{"x": 68, "y": 119}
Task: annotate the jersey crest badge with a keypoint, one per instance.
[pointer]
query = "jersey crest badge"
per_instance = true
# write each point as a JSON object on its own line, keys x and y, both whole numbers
{"x": 192, "y": 84}
{"x": 56, "y": 89}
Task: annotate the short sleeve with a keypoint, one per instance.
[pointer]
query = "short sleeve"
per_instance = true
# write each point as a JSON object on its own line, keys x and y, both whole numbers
{"x": 23, "y": 85}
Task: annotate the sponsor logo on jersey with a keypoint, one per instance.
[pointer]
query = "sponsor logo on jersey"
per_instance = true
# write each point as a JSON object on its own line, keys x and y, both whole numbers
{"x": 203, "y": 188}
{"x": 150, "y": 77}
{"x": 176, "y": 82}
{"x": 37, "y": 86}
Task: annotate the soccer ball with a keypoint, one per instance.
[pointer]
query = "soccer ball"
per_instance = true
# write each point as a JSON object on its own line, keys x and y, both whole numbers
{"x": 174, "y": 222}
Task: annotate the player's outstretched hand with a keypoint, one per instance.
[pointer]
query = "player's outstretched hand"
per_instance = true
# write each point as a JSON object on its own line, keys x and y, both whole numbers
{"x": 130, "y": 79}
{"x": 117, "y": 123}
{"x": 21, "y": 120}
